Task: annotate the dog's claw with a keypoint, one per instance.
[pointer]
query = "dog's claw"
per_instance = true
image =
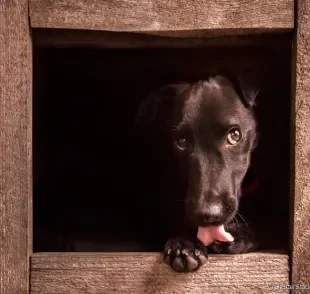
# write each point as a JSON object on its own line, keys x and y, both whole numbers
{"x": 183, "y": 255}
{"x": 185, "y": 252}
{"x": 197, "y": 252}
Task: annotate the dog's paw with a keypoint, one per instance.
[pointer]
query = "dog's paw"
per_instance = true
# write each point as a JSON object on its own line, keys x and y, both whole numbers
{"x": 183, "y": 255}
{"x": 244, "y": 241}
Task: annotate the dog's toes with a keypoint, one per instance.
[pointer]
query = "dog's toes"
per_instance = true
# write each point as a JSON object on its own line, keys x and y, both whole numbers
{"x": 201, "y": 257}
{"x": 183, "y": 255}
{"x": 191, "y": 264}
{"x": 178, "y": 264}
{"x": 239, "y": 246}
{"x": 245, "y": 241}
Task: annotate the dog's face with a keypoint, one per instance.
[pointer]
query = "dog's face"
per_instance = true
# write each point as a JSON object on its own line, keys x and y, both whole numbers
{"x": 212, "y": 130}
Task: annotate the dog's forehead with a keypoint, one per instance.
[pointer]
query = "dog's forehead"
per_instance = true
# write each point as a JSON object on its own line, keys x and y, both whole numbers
{"x": 212, "y": 100}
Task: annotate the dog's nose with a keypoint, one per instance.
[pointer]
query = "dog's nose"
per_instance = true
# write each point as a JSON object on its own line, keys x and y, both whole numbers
{"x": 211, "y": 214}
{"x": 213, "y": 210}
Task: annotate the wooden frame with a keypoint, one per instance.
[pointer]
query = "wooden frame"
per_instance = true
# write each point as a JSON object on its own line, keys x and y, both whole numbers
{"x": 301, "y": 149}
{"x": 15, "y": 146}
{"x": 130, "y": 273}
{"x": 161, "y": 16}
{"x": 146, "y": 273}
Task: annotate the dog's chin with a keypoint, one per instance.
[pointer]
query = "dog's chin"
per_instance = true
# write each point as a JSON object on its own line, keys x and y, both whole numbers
{"x": 208, "y": 223}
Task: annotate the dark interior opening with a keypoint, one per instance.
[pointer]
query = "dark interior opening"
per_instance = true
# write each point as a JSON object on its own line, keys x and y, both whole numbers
{"x": 85, "y": 100}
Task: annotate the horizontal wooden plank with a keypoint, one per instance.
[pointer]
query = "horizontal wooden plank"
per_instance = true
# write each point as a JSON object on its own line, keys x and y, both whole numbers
{"x": 157, "y": 16}
{"x": 146, "y": 273}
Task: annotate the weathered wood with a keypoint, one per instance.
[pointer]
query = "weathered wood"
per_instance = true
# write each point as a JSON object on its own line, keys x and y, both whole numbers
{"x": 156, "y": 16}
{"x": 15, "y": 146}
{"x": 146, "y": 273}
{"x": 301, "y": 132}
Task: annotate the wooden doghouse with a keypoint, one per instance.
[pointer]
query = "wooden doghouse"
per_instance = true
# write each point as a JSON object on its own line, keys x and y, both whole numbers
{"x": 26, "y": 25}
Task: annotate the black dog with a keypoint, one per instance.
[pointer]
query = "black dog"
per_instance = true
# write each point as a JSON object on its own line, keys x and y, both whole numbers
{"x": 199, "y": 138}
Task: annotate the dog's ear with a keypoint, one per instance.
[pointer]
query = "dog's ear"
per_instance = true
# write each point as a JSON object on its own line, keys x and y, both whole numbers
{"x": 249, "y": 91}
{"x": 246, "y": 86}
{"x": 157, "y": 106}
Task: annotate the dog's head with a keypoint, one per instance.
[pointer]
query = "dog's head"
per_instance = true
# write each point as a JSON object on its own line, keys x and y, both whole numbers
{"x": 212, "y": 132}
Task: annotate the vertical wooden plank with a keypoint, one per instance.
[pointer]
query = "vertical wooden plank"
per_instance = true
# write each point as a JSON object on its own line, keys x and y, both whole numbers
{"x": 301, "y": 104}
{"x": 15, "y": 146}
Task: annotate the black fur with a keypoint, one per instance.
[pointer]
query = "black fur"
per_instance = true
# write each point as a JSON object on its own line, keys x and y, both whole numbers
{"x": 191, "y": 176}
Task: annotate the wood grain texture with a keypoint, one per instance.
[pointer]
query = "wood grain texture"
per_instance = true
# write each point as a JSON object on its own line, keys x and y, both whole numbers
{"x": 145, "y": 273}
{"x": 156, "y": 16}
{"x": 301, "y": 104}
{"x": 15, "y": 146}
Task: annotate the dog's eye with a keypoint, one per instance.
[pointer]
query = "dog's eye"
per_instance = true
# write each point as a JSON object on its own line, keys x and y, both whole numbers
{"x": 181, "y": 143}
{"x": 234, "y": 136}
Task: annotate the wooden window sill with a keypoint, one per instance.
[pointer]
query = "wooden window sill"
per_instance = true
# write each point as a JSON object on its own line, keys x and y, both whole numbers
{"x": 146, "y": 273}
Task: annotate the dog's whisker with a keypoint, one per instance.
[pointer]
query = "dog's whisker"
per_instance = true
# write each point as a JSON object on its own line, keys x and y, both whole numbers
{"x": 243, "y": 221}
{"x": 235, "y": 220}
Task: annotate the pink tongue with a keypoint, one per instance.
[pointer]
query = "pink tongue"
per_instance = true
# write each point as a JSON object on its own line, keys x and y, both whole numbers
{"x": 207, "y": 235}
